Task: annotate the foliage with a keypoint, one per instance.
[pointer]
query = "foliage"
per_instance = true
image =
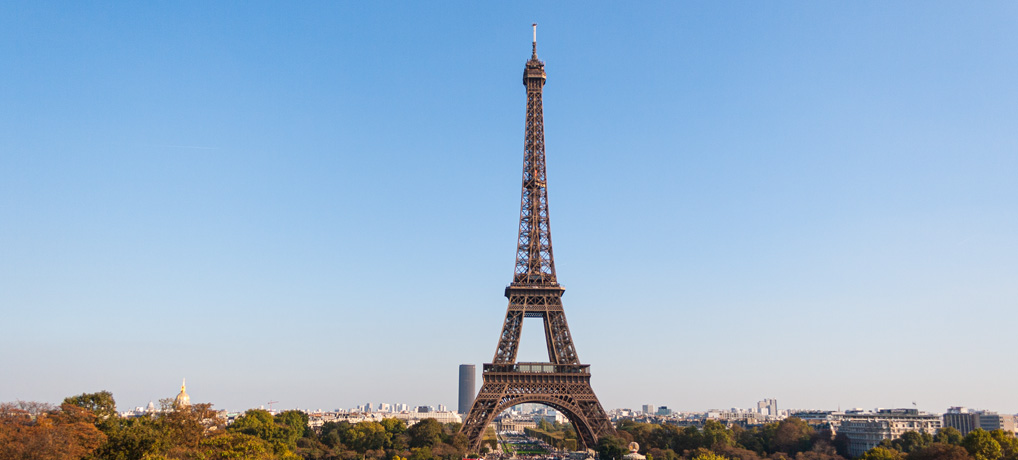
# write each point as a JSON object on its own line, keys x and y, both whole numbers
{"x": 704, "y": 454}
{"x": 101, "y": 404}
{"x": 940, "y": 451}
{"x": 1008, "y": 444}
{"x": 425, "y": 433}
{"x": 792, "y": 435}
{"x": 197, "y": 432}
{"x": 882, "y": 453}
{"x": 981, "y": 445}
{"x": 36, "y": 431}
{"x": 909, "y": 442}
{"x": 948, "y": 435}
{"x": 789, "y": 438}
{"x": 280, "y": 431}
{"x": 611, "y": 448}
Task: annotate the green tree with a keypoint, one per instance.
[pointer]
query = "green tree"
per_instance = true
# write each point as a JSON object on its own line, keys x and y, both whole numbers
{"x": 394, "y": 426}
{"x": 296, "y": 421}
{"x": 981, "y": 445}
{"x": 235, "y": 446}
{"x": 332, "y": 433}
{"x": 421, "y": 453}
{"x": 714, "y": 434}
{"x": 909, "y": 442}
{"x": 364, "y": 436}
{"x": 881, "y": 453}
{"x": 687, "y": 439}
{"x": 940, "y": 451}
{"x": 132, "y": 439}
{"x": 1008, "y": 444}
{"x": 949, "y": 435}
{"x": 101, "y": 404}
{"x": 425, "y": 433}
{"x": 262, "y": 425}
{"x": 704, "y": 454}
{"x": 611, "y": 448}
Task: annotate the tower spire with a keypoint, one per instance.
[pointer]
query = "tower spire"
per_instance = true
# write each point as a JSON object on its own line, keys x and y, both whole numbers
{"x": 534, "y": 56}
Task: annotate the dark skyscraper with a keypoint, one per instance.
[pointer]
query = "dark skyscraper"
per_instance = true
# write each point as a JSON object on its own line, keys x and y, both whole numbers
{"x": 467, "y": 374}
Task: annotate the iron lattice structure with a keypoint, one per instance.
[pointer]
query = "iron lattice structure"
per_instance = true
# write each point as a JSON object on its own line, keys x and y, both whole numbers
{"x": 562, "y": 382}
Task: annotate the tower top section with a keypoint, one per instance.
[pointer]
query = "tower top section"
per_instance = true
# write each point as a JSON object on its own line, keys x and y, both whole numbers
{"x": 534, "y": 56}
{"x": 535, "y": 265}
{"x": 533, "y": 73}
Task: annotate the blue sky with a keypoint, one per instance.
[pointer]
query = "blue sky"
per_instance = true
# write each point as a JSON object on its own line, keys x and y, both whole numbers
{"x": 317, "y": 203}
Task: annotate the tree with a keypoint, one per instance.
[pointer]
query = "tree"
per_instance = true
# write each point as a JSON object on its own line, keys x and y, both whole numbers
{"x": 364, "y": 436}
{"x": 949, "y": 435}
{"x": 704, "y": 454}
{"x": 1008, "y": 444}
{"x": 611, "y": 448}
{"x": 184, "y": 428}
{"x": 425, "y": 433}
{"x": 940, "y": 451}
{"x": 662, "y": 454}
{"x": 296, "y": 421}
{"x": 792, "y": 435}
{"x": 394, "y": 426}
{"x": 881, "y": 453}
{"x": 737, "y": 453}
{"x": 67, "y": 433}
{"x": 687, "y": 439}
{"x": 981, "y": 445}
{"x": 131, "y": 439}
{"x": 909, "y": 442}
{"x": 101, "y": 404}
{"x": 236, "y": 445}
{"x": 261, "y": 424}
{"x": 714, "y": 434}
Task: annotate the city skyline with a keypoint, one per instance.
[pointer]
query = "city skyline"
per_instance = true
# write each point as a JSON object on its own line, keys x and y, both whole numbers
{"x": 317, "y": 204}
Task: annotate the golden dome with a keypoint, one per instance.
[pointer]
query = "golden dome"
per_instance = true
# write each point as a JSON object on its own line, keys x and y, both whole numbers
{"x": 182, "y": 400}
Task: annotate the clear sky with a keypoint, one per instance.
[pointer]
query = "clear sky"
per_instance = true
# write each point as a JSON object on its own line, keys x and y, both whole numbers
{"x": 316, "y": 203}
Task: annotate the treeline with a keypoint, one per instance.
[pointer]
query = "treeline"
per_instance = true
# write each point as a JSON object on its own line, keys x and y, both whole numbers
{"x": 557, "y": 435}
{"x": 948, "y": 444}
{"x": 87, "y": 426}
{"x": 794, "y": 439}
{"x": 791, "y": 438}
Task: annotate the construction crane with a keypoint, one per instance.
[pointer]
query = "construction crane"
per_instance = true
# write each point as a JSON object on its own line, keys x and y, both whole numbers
{"x": 271, "y": 403}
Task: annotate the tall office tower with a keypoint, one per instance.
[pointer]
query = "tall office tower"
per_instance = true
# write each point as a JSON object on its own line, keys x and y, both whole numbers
{"x": 467, "y": 387}
{"x": 648, "y": 409}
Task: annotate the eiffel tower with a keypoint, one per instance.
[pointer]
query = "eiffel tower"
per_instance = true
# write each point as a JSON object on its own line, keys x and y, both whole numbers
{"x": 562, "y": 382}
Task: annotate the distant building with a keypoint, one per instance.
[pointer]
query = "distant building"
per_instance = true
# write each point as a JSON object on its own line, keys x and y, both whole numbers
{"x": 767, "y": 407}
{"x": 648, "y": 409}
{"x": 443, "y": 417}
{"x": 634, "y": 453}
{"x": 966, "y": 420}
{"x": 182, "y": 400}
{"x": 515, "y": 424}
{"x": 865, "y": 430}
{"x": 467, "y": 392}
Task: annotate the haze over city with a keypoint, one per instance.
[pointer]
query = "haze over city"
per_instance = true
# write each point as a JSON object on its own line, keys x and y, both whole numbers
{"x": 317, "y": 204}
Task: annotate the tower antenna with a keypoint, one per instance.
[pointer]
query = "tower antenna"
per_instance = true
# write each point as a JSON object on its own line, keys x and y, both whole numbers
{"x": 535, "y": 39}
